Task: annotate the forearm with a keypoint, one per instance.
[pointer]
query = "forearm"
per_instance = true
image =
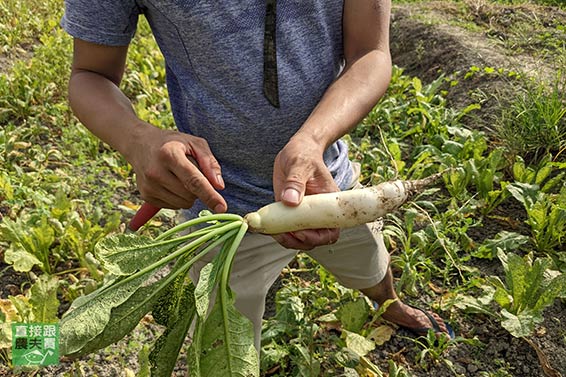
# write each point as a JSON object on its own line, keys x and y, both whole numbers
{"x": 102, "y": 107}
{"x": 349, "y": 99}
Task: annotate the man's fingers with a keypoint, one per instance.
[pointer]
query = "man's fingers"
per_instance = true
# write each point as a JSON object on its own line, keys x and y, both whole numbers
{"x": 164, "y": 198}
{"x": 207, "y": 163}
{"x": 308, "y": 239}
{"x": 287, "y": 240}
{"x": 196, "y": 183}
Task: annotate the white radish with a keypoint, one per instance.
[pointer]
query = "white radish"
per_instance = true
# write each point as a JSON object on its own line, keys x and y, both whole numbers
{"x": 342, "y": 209}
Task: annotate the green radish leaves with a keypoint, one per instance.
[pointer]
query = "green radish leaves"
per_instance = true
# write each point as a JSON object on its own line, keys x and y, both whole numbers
{"x": 125, "y": 254}
{"x": 528, "y": 289}
{"x": 101, "y": 310}
{"x": 143, "y": 281}
{"x": 223, "y": 342}
{"x": 227, "y": 345}
{"x": 164, "y": 355}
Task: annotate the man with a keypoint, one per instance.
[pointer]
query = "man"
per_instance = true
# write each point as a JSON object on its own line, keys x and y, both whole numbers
{"x": 261, "y": 92}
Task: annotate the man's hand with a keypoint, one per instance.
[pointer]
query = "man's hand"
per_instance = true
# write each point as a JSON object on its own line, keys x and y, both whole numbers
{"x": 174, "y": 169}
{"x": 299, "y": 170}
{"x": 161, "y": 159}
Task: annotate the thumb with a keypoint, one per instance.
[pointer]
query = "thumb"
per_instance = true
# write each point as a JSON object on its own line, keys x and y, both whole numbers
{"x": 294, "y": 188}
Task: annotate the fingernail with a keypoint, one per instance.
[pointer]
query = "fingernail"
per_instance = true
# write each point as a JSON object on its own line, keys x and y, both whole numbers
{"x": 220, "y": 180}
{"x": 291, "y": 196}
{"x": 219, "y": 208}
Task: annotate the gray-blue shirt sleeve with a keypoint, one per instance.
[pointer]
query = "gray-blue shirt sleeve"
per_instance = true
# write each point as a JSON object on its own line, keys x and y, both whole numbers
{"x": 105, "y": 22}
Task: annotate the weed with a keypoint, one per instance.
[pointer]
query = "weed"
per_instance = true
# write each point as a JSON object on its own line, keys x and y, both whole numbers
{"x": 534, "y": 123}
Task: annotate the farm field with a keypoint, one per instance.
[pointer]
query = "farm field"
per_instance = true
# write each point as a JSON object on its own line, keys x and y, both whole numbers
{"x": 478, "y": 91}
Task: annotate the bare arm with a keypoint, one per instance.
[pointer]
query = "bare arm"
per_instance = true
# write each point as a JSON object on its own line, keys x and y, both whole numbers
{"x": 365, "y": 78}
{"x": 299, "y": 167}
{"x": 165, "y": 177}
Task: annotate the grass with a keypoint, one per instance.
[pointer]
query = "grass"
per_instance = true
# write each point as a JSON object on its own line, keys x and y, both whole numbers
{"x": 533, "y": 124}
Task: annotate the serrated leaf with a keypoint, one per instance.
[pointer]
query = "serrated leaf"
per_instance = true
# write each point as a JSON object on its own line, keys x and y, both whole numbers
{"x": 164, "y": 355}
{"x": 89, "y": 317}
{"x": 227, "y": 348}
{"x": 123, "y": 319}
{"x": 124, "y": 254}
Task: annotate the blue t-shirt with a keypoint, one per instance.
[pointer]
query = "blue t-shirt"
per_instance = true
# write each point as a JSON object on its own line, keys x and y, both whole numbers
{"x": 214, "y": 61}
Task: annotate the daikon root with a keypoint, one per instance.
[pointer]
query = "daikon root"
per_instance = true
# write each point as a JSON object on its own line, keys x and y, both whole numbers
{"x": 342, "y": 209}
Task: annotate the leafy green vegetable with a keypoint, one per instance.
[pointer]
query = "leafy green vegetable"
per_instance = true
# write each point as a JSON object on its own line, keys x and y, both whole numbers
{"x": 227, "y": 346}
{"x": 91, "y": 315}
{"x": 166, "y": 349}
{"x": 353, "y": 315}
{"x": 526, "y": 292}
{"x": 124, "y": 254}
{"x": 143, "y": 282}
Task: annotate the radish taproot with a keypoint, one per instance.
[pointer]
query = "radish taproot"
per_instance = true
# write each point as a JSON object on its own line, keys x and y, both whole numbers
{"x": 342, "y": 209}
{"x": 141, "y": 280}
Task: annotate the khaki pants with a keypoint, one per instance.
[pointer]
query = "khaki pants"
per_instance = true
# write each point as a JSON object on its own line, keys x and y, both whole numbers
{"x": 358, "y": 260}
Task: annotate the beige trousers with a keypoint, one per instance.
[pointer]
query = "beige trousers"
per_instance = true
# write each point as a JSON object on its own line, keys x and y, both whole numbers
{"x": 358, "y": 260}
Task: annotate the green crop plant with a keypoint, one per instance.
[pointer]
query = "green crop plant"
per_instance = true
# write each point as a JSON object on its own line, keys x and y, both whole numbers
{"x": 39, "y": 304}
{"x": 526, "y": 292}
{"x": 547, "y": 174}
{"x": 431, "y": 348}
{"x": 504, "y": 240}
{"x": 546, "y": 214}
{"x": 415, "y": 267}
{"x": 222, "y": 340}
{"x": 31, "y": 242}
{"x": 485, "y": 174}
{"x": 289, "y": 339}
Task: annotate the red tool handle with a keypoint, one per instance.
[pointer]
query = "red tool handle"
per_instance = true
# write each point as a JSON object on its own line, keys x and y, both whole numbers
{"x": 142, "y": 216}
{"x": 147, "y": 211}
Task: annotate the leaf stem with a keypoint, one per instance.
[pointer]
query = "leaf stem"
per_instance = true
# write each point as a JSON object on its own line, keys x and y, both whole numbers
{"x": 187, "y": 224}
{"x": 224, "y": 284}
{"x": 184, "y": 268}
{"x": 190, "y": 246}
{"x": 230, "y": 257}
